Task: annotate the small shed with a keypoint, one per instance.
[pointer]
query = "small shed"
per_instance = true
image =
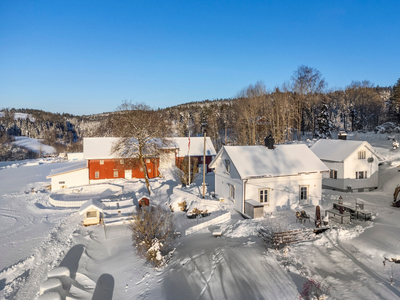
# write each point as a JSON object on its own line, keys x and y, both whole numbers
{"x": 92, "y": 211}
{"x": 144, "y": 201}
{"x": 254, "y": 209}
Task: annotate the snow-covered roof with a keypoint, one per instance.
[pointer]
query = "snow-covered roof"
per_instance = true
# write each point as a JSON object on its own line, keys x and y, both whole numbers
{"x": 71, "y": 167}
{"x": 99, "y": 147}
{"x": 91, "y": 204}
{"x": 259, "y": 161}
{"x": 196, "y": 146}
{"x": 339, "y": 150}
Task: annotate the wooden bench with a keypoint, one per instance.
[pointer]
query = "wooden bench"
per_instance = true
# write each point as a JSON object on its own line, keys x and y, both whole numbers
{"x": 345, "y": 216}
{"x": 356, "y": 213}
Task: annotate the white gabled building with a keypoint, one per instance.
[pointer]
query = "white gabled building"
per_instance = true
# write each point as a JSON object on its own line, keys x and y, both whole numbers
{"x": 280, "y": 177}
{"x": 72, "y": 175}
{"x": 353, "y": 164}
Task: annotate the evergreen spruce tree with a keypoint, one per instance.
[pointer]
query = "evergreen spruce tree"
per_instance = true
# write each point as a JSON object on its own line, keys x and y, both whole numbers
{"x": 324, "y": 124}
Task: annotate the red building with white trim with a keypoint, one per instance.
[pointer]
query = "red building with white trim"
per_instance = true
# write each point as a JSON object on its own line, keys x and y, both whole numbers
{"x": 103, "y": 164}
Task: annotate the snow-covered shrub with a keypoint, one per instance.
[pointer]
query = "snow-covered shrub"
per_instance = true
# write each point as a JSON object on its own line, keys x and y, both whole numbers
{"x": 314, "y": 290}
{"x": 154, "y": 253}
{"x": 183, "y": 205}
{"x": 152, "y": 233}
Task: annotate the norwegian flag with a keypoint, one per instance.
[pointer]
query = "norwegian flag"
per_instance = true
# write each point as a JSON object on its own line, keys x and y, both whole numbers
{"x": 188, "y": 144}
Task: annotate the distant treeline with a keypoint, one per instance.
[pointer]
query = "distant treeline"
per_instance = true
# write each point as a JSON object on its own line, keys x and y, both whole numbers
{"x": 304, "y": 104}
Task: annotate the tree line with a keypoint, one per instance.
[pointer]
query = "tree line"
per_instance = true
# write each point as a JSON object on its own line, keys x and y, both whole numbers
{"x": 304, "y": 104}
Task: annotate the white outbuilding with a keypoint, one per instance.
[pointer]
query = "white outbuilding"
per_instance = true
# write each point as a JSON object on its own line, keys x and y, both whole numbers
{"x": 277, "y": 177}
{"x": 353, "y": 164}
{"x": 92, "y": 211}
{"x": 75, "y": 156}
{"x": 74, "y": 174}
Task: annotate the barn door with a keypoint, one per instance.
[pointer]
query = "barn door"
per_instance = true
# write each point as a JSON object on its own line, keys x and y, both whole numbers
{"x": 128, "y": 174}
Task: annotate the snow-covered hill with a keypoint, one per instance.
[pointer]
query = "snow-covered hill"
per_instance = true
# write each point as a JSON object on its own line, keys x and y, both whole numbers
{"x": 34, "y": 145}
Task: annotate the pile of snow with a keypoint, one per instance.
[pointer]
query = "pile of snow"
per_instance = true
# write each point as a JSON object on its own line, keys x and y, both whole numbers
{"x": 243, "y": 228}
{"x": 341, "y": 233}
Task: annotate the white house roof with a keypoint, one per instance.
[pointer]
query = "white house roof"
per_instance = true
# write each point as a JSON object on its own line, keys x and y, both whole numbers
{"x": 196, "y": 146}
{"x": 99, "y": 148}
{"x": 71, "y": 167}
{"x": 339, "y": 150}
{"x": 91, "y": 204}
{"x": 259, "y": 161}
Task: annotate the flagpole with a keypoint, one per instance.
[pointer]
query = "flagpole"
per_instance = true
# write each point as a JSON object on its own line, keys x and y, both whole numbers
{"x": 204, "y": 166}
{"x": 189, "y": 159}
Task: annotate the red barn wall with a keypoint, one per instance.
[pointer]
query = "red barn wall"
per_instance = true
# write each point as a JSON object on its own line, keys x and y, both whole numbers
{"x": 106, "y": 170}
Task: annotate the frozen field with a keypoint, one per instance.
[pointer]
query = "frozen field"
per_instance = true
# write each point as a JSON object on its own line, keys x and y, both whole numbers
{"x": 347, "y": 260}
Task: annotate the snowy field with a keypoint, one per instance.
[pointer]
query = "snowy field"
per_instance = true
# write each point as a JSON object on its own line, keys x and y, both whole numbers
{"x": 347, "y": 259}
{"x": 33, "y": 144}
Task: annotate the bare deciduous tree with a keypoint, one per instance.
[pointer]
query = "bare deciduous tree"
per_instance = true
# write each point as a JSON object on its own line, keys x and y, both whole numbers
{"x": 248, "y": 111}
{"x": 366, "y": 104}
{"x": 142, "y": 132}
{"x": 308, "y": 84}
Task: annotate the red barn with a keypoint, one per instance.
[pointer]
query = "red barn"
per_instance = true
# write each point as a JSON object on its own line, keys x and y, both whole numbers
{"x": 103, "y": 164}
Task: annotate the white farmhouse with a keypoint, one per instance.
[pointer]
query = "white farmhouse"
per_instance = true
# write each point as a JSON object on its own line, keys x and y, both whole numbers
{"x": 280, "y": 177}
{"x": 353, "y": 164}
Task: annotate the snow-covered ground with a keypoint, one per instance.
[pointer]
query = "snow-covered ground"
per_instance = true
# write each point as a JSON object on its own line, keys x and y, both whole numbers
{"x": 347, "y": 259}
{"x": 33, "y": 144}
{"x": 20, "y": 116}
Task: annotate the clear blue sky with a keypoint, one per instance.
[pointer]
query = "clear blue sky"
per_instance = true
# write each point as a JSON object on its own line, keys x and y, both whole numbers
{"x": 86, "y": 57}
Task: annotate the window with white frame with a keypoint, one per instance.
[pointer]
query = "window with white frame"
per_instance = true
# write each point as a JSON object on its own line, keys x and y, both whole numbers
{"x": 303, "y": 193}
{"x": 97, "y": 174}
{"x": 333, "y": 174}
{"x": 361, "y": 175}
{"x": 362, "y": 154}
{"x": 115, "y": 173}
{"x": 102, "y": 161}
{"x": 231, "y": 191}
{"x": 263, "y": 195}
{"x": 121, "y": 161}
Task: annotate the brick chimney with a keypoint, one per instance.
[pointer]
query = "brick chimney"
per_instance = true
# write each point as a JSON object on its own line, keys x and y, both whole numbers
{"x": 269, "y": 142}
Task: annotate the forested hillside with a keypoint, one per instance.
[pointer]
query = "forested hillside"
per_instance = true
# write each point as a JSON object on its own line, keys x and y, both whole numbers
{"x": 304, "y": 104}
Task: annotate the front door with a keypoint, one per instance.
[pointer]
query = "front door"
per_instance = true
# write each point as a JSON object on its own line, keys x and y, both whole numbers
{"x": 128, "y": 174}
{"x": 304, "y": 195}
